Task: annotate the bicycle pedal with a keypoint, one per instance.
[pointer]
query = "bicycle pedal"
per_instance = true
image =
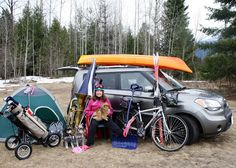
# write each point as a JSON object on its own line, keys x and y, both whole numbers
{"x": 141, "y": 132}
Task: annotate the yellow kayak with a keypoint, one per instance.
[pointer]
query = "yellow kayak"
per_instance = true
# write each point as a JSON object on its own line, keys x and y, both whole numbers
{"x": 165, "y": 62}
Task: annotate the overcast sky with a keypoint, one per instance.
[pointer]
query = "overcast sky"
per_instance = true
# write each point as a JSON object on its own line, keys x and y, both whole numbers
{"x": 198, "y": 16}
{"x": 197, "y": 11}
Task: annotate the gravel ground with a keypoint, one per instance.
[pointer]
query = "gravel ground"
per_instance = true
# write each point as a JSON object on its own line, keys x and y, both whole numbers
{"x": 213, "y": 152}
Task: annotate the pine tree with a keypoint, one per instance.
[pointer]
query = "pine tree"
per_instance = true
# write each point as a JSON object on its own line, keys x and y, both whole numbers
{"x": 177, "y": 38}
{"x": 130, "y": 42}
{"x": 39, "y": 34}
{"x": 175, "y": 27}
{"x": 225, "y": 47}
{"x": 24, "y": 42}
{"x": 143, "y": 42}
{"x": 60, "y": 39}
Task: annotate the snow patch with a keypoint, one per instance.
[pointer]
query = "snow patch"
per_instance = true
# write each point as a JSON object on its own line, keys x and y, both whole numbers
{"x": 36, "y": 79}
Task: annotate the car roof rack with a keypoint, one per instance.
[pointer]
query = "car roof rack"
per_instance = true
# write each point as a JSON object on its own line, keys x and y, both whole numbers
{"x": 111, "y": 66}
{"x": 115, "y": 66}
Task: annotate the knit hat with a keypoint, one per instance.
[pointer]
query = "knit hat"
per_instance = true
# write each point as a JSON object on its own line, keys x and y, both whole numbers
{"x": 99, "y": 87}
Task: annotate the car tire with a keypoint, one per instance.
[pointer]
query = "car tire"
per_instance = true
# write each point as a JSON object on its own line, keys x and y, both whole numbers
{"x": 194, "y": 132}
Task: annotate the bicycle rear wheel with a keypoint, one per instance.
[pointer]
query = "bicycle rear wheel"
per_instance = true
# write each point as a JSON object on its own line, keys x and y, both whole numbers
{"x": 172, "y": 139}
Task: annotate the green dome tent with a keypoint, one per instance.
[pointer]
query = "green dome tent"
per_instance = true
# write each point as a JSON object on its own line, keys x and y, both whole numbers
{"x": 41, "y": 102}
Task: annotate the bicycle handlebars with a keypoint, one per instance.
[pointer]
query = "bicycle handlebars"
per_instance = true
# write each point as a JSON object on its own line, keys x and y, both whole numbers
{"x": 136, "y": 87}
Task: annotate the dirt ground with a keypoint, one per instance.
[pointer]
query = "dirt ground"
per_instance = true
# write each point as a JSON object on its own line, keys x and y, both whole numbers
{"x": 213, "y": 152}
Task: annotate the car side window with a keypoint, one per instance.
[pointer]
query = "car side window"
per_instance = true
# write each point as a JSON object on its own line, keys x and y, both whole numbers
{"x": 108, "y": 80}
{"x": 134, "y": 78}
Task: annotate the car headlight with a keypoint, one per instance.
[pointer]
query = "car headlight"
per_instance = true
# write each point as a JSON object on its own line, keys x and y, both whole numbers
{"x": 209, "y": 104}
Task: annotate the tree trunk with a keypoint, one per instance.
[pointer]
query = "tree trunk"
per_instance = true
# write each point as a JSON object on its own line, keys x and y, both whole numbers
{"x": 149, "y": 28}
{"x": 41, "y": 5}
{"x": 75, "y": 34}
{"x": 145, "y": 31}
{"x": 183, "y": 55}
{"x": 20, "y": 60}
{"x": 6, "y": 48}
{"x": 95, "y": 38}
{"x": 60, "y": 10}
{"x": 33, "y": 52}
{"x": 108, "y": 42}
{"x": 115, "y": 39}
{"x": 138, "y": 29}
{"x": 195, "y": 34}
{"x": 86, "y": 40}
{"x": 26, "y": 48}
{"x": 135, "y": 33}
{"x": 120, "y": 28}
{"x": 12, "y": 41}
{"x": 50, "y": 41}
{"x": 15, "y": 58}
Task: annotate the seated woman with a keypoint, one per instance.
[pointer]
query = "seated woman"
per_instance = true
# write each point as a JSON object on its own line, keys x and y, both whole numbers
{"x": 99, "y": 108}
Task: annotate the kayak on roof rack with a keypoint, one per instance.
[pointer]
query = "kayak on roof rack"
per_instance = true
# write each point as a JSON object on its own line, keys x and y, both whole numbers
{"x": 165, "y": 62}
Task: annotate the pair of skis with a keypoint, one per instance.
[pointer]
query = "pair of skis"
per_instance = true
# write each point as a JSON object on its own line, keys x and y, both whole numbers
{"x": 157, "y": 96}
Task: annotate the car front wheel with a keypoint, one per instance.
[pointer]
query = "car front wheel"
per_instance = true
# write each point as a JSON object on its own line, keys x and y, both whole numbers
{"x": 194, "y": 132}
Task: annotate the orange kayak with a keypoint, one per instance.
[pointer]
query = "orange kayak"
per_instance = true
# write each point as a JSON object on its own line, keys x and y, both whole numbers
{"x": 165, "y": 62}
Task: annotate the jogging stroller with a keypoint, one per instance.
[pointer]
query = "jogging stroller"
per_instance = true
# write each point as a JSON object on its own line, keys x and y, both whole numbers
{"x": 30, "y": 128}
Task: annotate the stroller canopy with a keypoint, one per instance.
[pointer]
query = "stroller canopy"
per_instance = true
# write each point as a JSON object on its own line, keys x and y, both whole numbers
{"x": 41, "y": 102}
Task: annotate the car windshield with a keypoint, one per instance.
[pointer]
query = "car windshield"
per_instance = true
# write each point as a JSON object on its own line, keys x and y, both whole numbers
{"x": 167, "y": 82}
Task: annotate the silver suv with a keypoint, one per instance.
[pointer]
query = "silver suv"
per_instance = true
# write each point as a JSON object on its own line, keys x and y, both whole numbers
{"x": 206, "y": 113}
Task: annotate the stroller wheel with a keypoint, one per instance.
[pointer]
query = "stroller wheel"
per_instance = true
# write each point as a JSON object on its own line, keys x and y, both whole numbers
{"x": 23, "y": 151}
{"x": 54, "y": 140}
{"x": 12, "y": 142}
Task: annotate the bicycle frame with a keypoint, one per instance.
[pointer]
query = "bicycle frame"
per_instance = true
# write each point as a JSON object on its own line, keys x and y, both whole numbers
{"x": 157, "y": 111}
{"x": 168, "y": 132}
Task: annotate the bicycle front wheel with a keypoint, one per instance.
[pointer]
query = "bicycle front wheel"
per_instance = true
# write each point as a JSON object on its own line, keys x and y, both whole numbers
{"x": 169, "y": 136}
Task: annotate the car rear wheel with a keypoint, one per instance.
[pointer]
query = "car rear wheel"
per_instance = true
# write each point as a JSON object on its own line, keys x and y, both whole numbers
{"x": 194, "y": 132}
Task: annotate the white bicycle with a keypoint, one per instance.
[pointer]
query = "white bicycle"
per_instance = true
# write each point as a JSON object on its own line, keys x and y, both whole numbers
{"x": 169, "y": 132}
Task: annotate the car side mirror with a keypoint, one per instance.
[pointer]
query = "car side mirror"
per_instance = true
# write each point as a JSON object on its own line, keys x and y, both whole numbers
{"x": 170, "y": 99}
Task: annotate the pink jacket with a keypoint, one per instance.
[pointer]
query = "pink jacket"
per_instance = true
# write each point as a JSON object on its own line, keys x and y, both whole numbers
{"x": 94, "y": 105}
